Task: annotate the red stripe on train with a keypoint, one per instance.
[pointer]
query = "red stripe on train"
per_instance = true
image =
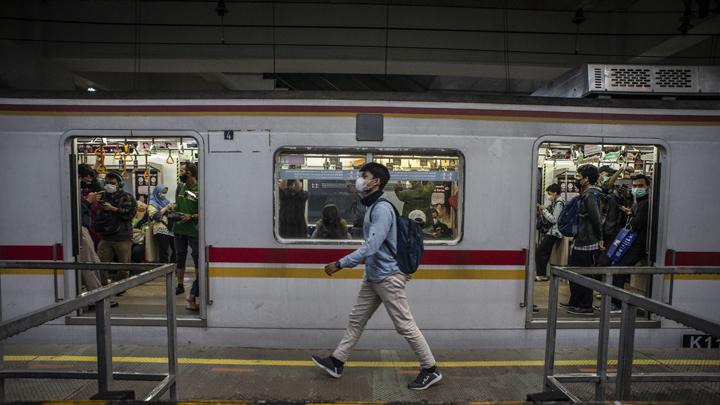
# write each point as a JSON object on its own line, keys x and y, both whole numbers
{"x": 350, "y": 110}
{"x": 30, "y": 252}
{"x": 693, "y": 258}
{"x": 322, "y": 256}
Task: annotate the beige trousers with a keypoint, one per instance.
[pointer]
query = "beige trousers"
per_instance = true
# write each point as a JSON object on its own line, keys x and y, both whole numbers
{"x": 87, "y": 255}
{"x": 391, "y": 293}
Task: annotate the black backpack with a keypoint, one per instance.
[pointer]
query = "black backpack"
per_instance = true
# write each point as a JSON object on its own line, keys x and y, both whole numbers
{"x": 410, "y": 246}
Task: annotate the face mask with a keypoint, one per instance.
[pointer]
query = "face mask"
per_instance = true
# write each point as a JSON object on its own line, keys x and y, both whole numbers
{"x": 110, "y": 188}
{"x": 164, "y": 193}
{"x": 360, "y": 185}
{"x": 639, "y": 192}
{"x": 184, "y": 178}
{"x": 578, "y": 185}
{"x": 604, "y": 179}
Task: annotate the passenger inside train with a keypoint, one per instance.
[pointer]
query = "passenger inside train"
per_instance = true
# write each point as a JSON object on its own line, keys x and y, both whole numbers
{"x": 623, "y": 177}
{"x": 138, "y": 202}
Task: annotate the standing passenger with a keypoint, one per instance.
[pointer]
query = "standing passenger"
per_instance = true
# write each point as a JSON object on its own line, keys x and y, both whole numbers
{"x": 384, "y": 282}
{"x": 113, "y": 221}
{"x": 553, "y": 235}
{"x": 639, "y": 216}
{"x": 158, "y": 210}
{"x": 292, "y": 209}
{"x": 88, "y": 196}
{"x": 186, "y": 230}
{"x": 589, "y": 241}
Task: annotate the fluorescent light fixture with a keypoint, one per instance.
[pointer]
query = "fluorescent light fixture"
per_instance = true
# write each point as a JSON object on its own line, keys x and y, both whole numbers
{"x": 91, "y": 89}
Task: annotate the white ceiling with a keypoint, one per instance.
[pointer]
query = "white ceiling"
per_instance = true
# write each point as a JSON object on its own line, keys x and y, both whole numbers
{"x": 512, "y": 46}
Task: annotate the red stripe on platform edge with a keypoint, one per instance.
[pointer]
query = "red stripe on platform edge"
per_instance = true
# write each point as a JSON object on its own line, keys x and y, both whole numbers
{"x": 29, "y": 252}
{"x": 322, "y": 256}
{"x": 350, "y": 110}
{"x": 693, "y": 258}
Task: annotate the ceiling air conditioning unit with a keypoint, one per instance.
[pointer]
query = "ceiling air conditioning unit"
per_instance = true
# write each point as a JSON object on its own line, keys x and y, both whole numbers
{"x": 592, "y": 80}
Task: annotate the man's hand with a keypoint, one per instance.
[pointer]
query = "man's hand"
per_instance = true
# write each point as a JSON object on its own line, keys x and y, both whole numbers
{"x": 109, "y": 207}
{"x": 602, "y": 245}
{"x": 626, "y": 210}
{"x": 185, "y": 218}
{"x": 540, "y": 207}
{"x": 92, "y": 198}
{"x": 331, "y": 268}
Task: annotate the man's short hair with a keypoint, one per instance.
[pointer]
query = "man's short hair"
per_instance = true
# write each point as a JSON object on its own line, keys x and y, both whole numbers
{"x": 85, "y": 170}
{"x": 192, "y": 168}
{"x": 589, "y": 171}
{"x": 378, "y": 171}
{"x": 606, "y": 169}
{"x": 642, "y": 177}
{"x": 553, "y": 188}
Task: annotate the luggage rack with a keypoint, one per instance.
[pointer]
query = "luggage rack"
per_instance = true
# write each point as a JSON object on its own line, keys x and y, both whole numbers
{"x": 101, "y": 299}
{"x": 630, "y": 303}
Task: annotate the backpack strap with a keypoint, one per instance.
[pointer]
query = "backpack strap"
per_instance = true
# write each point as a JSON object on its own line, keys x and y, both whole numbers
{"x": 385, "y": 242}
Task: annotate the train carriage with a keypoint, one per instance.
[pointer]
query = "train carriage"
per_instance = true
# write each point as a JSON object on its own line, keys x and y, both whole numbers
{"x": 485, "y": 159}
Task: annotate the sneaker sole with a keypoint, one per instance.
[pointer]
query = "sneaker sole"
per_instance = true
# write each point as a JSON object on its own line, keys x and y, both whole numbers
{"x": 429, "y": 385}
{"x": 581, "y": 313}
{"x": 327, "y": 370}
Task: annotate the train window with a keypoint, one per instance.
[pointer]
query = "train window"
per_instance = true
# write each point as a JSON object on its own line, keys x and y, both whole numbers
{"x": 316, "y": 198}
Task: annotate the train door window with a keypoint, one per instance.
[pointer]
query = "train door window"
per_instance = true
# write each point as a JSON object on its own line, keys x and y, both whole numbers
{"x": 148, "y": 173}
{"x": 316, "y": 200}
{"x": 620, "y": 166}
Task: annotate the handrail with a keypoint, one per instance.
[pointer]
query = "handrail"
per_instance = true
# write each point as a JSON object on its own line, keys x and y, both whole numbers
{"x": 101, "y": 298}
{"x": 630, "y": 302}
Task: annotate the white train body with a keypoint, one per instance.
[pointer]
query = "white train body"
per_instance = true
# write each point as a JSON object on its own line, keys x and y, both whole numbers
{"x": 266, "y": 293}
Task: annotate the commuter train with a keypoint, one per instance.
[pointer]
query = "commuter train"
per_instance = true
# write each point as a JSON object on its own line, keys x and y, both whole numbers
{"x": 483, "y": 157}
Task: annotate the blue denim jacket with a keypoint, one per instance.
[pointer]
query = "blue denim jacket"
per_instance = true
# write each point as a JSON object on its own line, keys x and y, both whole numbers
{"x": 379, "y": 260}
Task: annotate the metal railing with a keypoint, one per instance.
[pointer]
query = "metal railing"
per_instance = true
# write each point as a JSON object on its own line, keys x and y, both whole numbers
{"x": 630, "y": 303}
{"x": 101, "y": 299}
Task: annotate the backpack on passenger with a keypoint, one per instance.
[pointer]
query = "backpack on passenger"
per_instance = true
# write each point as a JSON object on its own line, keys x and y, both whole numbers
{"x": 569, "y": 221}
{"x": 410, "y": 246}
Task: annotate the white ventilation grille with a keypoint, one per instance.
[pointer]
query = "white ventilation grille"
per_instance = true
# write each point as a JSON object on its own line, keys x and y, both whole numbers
{"x": 597, "y": 79}
{"x": 647, "y": 79}
{"x": 674, "y": 78}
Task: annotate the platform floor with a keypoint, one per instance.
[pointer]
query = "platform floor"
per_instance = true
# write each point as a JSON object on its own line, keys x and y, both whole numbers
{"x": 213, "y": 373}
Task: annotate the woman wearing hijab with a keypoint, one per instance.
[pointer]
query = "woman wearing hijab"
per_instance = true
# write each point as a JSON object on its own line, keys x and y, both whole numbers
{"x": 158, "y": 210}
{"x": 330, "y": 226}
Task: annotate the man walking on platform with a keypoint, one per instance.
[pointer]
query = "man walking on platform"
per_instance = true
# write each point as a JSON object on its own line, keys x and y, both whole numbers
{"x": 383, "y": 283}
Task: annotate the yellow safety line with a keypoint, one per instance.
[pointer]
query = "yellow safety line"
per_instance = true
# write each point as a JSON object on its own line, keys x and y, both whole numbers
{"x": 694, "y": 277}
{"x": 389, "y": 364}
{"x": 30, "y": 272}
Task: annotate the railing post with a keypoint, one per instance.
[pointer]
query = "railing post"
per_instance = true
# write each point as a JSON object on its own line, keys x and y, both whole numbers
{"x": 603, "y": 338}
{"x": 171, "y": 332}
{"x": 104, "y": 345}
{"x": 625, "y": 352}
{"x": 551, "y": 329}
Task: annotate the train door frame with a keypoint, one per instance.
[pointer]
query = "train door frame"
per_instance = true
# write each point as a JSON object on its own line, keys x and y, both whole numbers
{"x": 68, "y": 176}
{"x": 659, "y": 219}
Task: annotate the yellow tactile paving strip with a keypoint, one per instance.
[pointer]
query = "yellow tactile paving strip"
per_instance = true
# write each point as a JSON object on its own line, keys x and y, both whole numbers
{"x": 375, "y": 364}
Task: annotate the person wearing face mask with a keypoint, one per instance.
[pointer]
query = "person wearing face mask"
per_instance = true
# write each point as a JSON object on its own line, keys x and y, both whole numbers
{"x": 89, "y": 188}
{"x": 589, "y": 240}
{"x": 383, "y": 283}
{"x": 638, "y": 223}
{"x": 113, "y": 221}
{"x": 186, "y": 229}
{"x": 158, "y": 210}
{"x": 613, "y": 216}
{"x": 550, "y": 215}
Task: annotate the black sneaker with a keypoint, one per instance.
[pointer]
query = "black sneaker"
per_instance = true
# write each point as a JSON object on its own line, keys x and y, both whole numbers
{"x": 424, "y": 380}
{"x": 616, "y": 309}
{"x": 580, "y": 311}
{"x": 327, "y": 364}
{"x": 565, "y": 304}
{"x": 179, "y": 289}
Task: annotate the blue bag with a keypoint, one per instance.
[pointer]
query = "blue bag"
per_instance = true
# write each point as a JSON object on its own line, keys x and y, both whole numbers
{"x": 410, "y": 247}
{"x": 568, "y": 221}
{"x": 623, "y": 240}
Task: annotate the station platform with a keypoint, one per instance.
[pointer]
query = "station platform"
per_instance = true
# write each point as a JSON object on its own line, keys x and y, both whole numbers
{"x": 243, "y": 374}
